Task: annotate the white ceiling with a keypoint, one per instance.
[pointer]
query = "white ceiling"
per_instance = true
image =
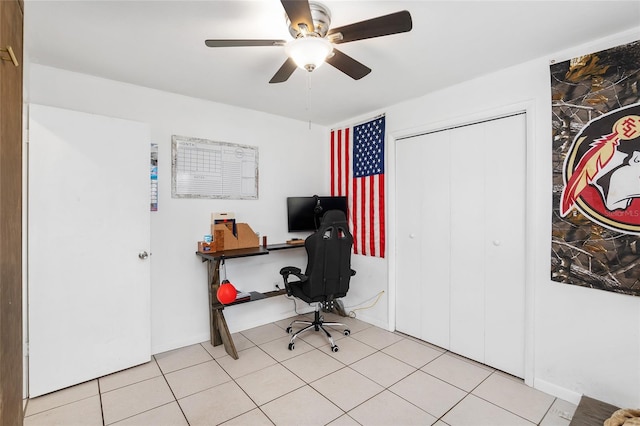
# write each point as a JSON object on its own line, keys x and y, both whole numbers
{"x": 160, "y": 44}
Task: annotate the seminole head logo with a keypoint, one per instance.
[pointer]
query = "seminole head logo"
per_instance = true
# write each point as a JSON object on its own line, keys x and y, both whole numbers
{"x": 602, "y": 171}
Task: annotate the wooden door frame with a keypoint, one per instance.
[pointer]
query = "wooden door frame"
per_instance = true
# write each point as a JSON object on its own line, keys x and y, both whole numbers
{"x": 11, "y": 319}
{"x": 528, "y": 108}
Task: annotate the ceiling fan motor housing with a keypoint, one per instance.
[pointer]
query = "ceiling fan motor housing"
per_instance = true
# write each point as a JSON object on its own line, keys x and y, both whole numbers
{"x": 321, "y": 21}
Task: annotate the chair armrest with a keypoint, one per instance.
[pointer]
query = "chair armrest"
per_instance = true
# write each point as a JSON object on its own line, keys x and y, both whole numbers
{"x": 288, "y": 270}
{"x": 292, "y": 270}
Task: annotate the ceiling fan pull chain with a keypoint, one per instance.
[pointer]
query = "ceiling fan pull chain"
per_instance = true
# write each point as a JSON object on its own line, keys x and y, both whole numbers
{"x": 309, "y": 97}
{"x": 309, "y": 92}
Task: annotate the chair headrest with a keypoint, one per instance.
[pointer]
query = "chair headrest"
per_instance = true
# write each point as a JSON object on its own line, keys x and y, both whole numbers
{"x": 333, "y": 217}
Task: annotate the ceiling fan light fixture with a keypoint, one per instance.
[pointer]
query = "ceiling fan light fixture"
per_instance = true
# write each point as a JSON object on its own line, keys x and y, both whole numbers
{"x": 309, "y": 52}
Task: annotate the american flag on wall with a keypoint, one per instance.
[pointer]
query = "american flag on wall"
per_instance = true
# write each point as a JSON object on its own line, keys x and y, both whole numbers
{"x": 357, "y": 172}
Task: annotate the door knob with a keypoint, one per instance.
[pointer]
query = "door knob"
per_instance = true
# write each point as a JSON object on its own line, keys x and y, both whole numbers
{"x": 496, "y": 243}
{"x": 412, "y": 236}
{"x": 143, "y": 255}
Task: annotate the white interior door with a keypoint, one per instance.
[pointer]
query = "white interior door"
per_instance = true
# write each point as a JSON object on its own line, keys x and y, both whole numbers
{"x": 460, "y": 279}
{"x": 89, "y": 291}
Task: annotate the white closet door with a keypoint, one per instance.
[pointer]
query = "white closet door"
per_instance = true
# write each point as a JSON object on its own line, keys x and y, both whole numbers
{"x": 467, "y": 269}
{"x": 467, "y": 232}
{"x": 505, "y": 242}
{"x": 423, "y": 238}
{"x": 89, "y": 292}
{"x": 436, "y": 245}
{"x": 409, "y": 251}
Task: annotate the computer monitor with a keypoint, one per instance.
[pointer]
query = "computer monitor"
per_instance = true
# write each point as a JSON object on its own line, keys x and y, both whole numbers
{"x": 305, "y": 213}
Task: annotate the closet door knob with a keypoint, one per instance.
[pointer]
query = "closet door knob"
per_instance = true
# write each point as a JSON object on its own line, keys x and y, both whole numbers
{"x": 412, "y": 236}
{"x": 496, "y": 243}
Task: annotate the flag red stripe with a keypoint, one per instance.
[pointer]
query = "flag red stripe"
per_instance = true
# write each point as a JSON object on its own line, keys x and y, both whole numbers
{"x": 340, "y": 171}
{"x": 333, "y": 167}
{"x": 363, "y": 206}
{"x": 354, "y": 214}
{"x": 346, "y": 161}
{"x": 381, "y": 212}
{"x": 372, "y": 208}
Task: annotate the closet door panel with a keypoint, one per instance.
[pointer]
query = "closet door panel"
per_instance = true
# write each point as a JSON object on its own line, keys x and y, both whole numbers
{"x": 467, "y": 241}
{"x": 505, "y": 263}
{"x": 409, "y": 237}
{"x": 436, "y": 240}
{"x": 423, "y": 238}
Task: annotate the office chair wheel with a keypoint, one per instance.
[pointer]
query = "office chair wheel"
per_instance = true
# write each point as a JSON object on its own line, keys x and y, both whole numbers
{"x": 291, "y": 346}
{"x": 289, "y": 330}
{"x": 334, "y": 348}
{"x": 347, "y": 332}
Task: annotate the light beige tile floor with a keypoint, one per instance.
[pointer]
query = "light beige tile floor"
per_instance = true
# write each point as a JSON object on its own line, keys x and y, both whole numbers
{"x": 376, "y": 378}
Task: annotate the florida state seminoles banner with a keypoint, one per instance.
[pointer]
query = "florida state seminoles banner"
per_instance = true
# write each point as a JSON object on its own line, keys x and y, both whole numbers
{"x": 596, "y": 170}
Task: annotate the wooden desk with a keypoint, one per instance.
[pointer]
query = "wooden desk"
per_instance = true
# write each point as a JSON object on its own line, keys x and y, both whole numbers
{"x": 217, "y": 323}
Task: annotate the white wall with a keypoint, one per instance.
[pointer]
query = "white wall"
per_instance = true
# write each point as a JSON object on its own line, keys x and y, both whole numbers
{"x": 582, "y": 341}
{"x": 292, "y": 163}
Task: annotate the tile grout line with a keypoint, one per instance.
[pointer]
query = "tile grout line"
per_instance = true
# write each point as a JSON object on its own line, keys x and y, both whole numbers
{"x": 259, "y": 407}
{"x": 387, "y": 388}
{"x": 153, "y": 359}
{"x": 101, "y": 406}
{"x": 495, "y": 371}
{"x": 175, "y": 398}
{"x": 470, "y": 393}
{"x": 61, "y": 405}
{"x": 548, "y": 410}
{"x": 305, "y": 382}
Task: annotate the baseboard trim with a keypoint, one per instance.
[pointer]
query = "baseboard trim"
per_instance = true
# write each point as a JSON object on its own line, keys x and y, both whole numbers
{"x": 374, "y": 321}
{"x": 557, "y": 391}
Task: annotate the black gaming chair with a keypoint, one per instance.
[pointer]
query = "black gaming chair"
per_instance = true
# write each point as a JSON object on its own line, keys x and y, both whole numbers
{"x": 327, "y": 275}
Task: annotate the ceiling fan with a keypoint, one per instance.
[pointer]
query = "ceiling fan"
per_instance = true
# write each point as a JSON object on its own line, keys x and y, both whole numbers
{"x": 313, "y": 40}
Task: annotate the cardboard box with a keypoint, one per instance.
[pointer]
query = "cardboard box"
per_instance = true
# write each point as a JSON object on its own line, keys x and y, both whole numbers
{"x": 224, "y": 239}
{"x": 204, "y": 247}
{"x": 218, "y": 238}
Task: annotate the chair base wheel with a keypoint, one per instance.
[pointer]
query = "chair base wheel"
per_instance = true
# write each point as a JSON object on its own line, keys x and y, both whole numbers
{"x": 318, "y": 324}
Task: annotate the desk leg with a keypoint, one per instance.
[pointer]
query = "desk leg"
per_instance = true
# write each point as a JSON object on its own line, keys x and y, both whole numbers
{"x": 222, "y": 332}
{"x": 217, "y": 324}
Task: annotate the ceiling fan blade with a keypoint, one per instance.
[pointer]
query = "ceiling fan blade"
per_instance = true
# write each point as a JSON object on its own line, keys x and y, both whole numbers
{"x": 399, "y": 22}
{"x": 241, "y": 43}
{"x": 348, "y": 65}
{"x": 284, "y": 72}
{"x": 299, "y": 12}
